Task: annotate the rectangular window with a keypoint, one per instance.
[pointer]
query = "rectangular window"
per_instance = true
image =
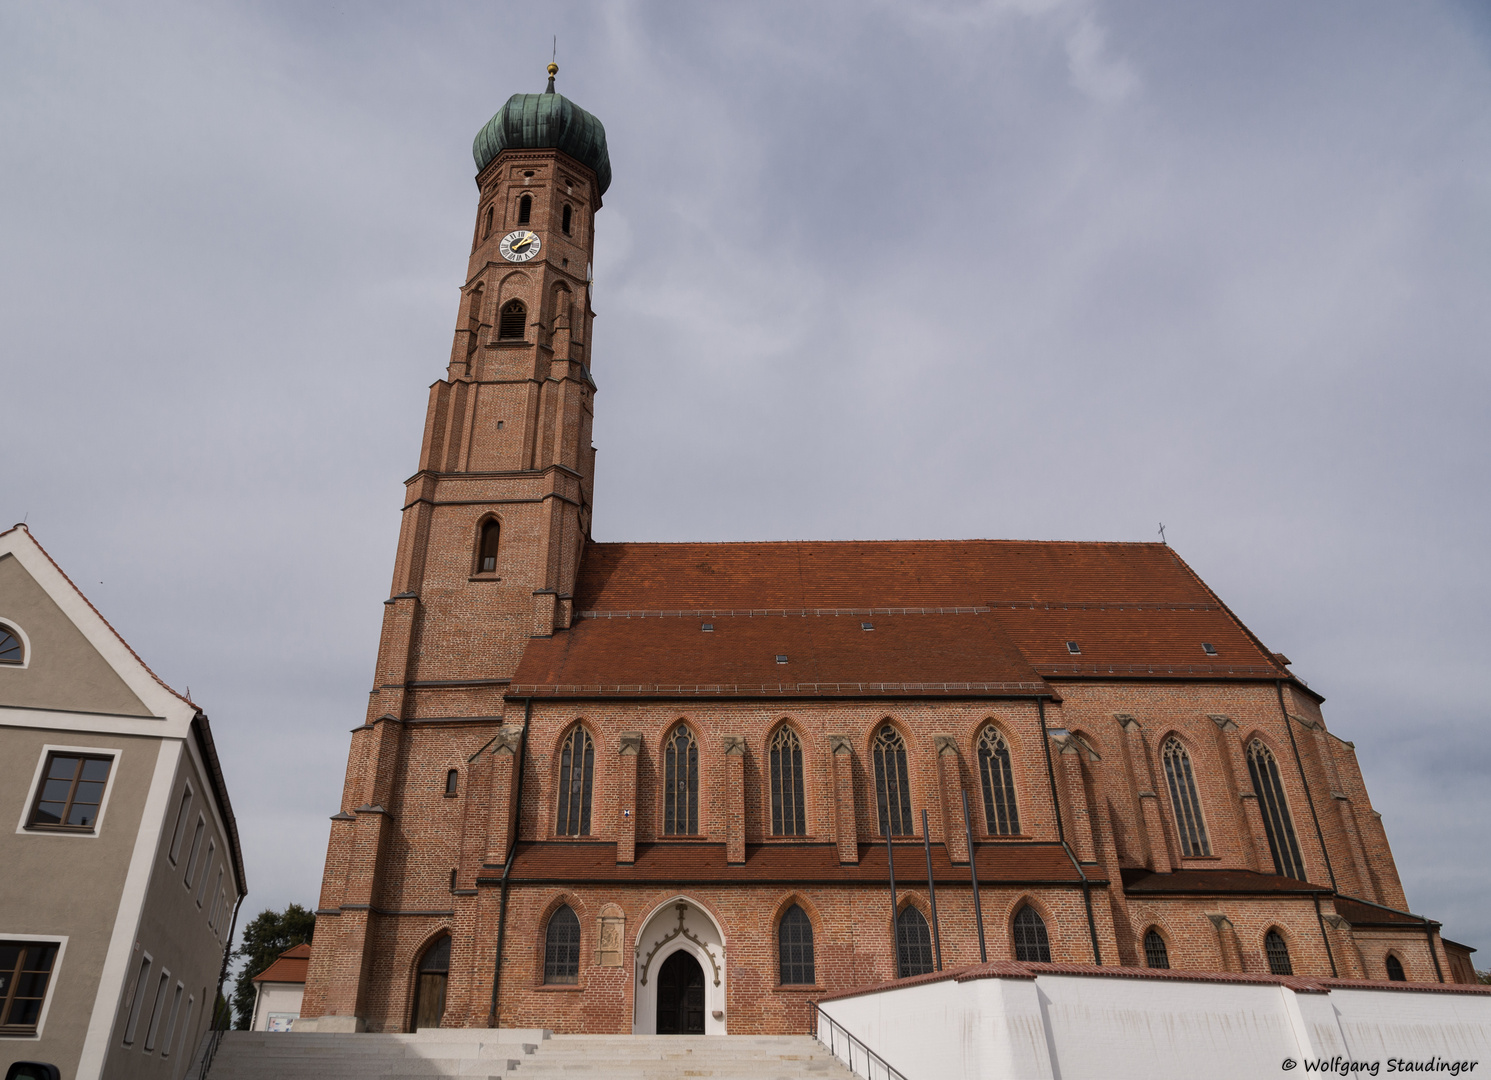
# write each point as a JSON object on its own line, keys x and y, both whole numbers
{"x": 181, "y": 820}
{"x": 186, "y": 1022}
{"x": 165, "y": 1042}
{"x": 157, "y": 1011}
{"x": 191, "y": 863}
{"x": 71, "y": 792}
{"x": 142, "y": 980}
{"x": 25, "y": 971}
{"x": 206, "y": 870}
{"x": 216, "y": 901}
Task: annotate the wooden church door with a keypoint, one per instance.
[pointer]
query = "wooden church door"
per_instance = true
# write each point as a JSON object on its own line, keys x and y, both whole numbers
{"x": 680, "y": 996}
{"x": 429, "y": 990}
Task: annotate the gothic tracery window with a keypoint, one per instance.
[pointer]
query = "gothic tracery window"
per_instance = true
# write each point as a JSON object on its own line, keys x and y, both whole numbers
{"x": 1277, "y": 823}
{"x": 787, "y": 801}
{"x": 1155, "y": 953}
{"x": 795, "y": 947}
{"x": 562, "y": 947}
{"x": 1278, "y": 954}
{"x": 1032, "y": 945}
{"x": 913, "y": 943}
{"x": 576, "y": 777}
{"x": 892, "y": 785}
{"x": 681, "y": 783}
{"x": 997, "y": 773}
{"x": 1188, "y": 820}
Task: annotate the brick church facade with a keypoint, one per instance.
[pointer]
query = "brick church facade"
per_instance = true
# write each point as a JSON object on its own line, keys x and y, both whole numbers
{"x": 616, "y": 787}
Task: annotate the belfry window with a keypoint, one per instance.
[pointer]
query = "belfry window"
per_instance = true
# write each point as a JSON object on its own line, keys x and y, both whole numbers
{"x": 1188, "y": 820}
{"x": 1282, "y": 843}
{"x": 787, "y": 803}
{"x": 681, "y": 783}
{"x": 10, "y": 646}
{"x": 1155, "y": 953}
{"x": 913, "y": 943}
{"x": 1031, "y": 943}
{"x": 1395, "y": 969}
{"x": 998, "y": 776}
{"x": 795, "y": 948}
{"x": 486, "y": 552}
{"x": 525, "y": 209}
{"x": 1278, "y": 954}
{"x": 562, "y": 948}
{"x": 892, "y": 785}
{"x": 486, "y": 225}
{"x": 512, "y": 323}
{"x": 564, "y": 218}
{"x": 576, "y": 775}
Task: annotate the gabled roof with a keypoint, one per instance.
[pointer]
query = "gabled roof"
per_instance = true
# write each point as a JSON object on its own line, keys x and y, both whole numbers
{"x": 289, "y": 967}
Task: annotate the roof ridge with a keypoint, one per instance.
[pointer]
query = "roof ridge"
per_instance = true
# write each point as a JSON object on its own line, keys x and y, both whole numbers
{"x": 898, "y": 540}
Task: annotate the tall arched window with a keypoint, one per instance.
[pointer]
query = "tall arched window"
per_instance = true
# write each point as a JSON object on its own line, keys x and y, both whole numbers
{"x": 1277, "y": 823}
{"x": 1395, "y": 969}
{"x": 565, "y": 218}
{"x": 681, "y": 783}
{"x": 913, "y": 943}
{"x": 1031, "y": 943}
{"x": 525, "y": 209}
{"x": 788, "y": 817}
{"x": 892, "y": 786}
{"x": 486, "y": 550}
{"x": 429, "y": 991}
{"x": 452, "y": 782}
{"x": 10, "y": 646}
{"x": 1155, "y": 953}
{"x": 1188, "y": 819}
{"x": 998, "y": 775}
{"x": 795, "y": 947}
{"x": 512, "y": 323}
{"x": 1278, "y": 954}
{"x": 486, "y": 225}
{"x": 473, "y": 320}
{"x": 576, "y": 774}
{"x": 562, "y": 947}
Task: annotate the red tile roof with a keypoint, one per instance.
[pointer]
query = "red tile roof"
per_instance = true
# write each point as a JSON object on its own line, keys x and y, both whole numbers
{"x": 290, "y": 967}
{"x": 1140, "y": 882}
{"x": 1363, "y": 913}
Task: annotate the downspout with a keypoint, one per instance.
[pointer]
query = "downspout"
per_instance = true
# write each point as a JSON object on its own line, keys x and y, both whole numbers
{"x": 1300, "y": 765}
{"x": 222, "y": 975}
{"x": 1429, "y": 933}
{"x": 1326, "y": 938}
{"x": 1092, "y": 926}
{"x": 507, "y": 868}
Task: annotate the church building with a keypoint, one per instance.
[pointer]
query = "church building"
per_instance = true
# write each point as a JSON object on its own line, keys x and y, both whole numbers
{"x": 693, "y": 787}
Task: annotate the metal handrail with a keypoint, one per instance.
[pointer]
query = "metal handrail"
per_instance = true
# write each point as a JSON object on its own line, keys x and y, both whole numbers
{"x": 870, "y": 1059}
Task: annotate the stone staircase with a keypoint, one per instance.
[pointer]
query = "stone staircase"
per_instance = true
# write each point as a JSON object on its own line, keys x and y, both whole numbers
{"x": 521, "y": 1053}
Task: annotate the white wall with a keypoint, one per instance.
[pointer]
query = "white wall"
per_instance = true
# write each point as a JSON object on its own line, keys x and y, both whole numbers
{"x": 274, "y": 999}
{"x": 1071, "y": 1027}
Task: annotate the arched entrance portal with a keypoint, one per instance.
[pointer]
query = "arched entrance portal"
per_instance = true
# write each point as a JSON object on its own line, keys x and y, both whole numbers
{"x": 680, "y": 996}
{"x": 429, "y": 990}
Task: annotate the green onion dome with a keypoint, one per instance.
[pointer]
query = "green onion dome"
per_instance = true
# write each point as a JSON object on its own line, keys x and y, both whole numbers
{"x": 545, "y": 121}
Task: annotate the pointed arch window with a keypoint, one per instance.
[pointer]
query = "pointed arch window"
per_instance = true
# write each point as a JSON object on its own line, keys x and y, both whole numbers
{"x": 1278, "y": 954}
{"x": 788, "y": 816}
{"x": 892, "y": 785}
{"x": 473, "y": 319}
{"x": 562, "y": 948}
{"x": 1182, "y": 780}
{"x": 576, "y": 776}
{"x": 681, "y": 783}
{"x": 913, "y": 943}
{"x": 1032, "y": 945}
{"x": 1395, "y": 969}
{"x": 1155, "y": 953}
{"x": 512, "y": 322}
{"x": 486, "y": 550}
{"x": 795, "y": 948}
{"x": 998, "y": 775}
{"x": 566, "y": 217}
{"x": 10, "y": 646}
{"x": 1277, "y": 823}
{"x": 525, "y": 209}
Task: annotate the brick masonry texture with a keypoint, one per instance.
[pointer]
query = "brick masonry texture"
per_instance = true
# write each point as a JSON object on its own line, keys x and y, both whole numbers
{"x": 484, "y": 674}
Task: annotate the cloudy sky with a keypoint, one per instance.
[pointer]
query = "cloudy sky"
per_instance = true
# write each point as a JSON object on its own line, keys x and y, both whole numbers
{"x": 1051, "y": 269}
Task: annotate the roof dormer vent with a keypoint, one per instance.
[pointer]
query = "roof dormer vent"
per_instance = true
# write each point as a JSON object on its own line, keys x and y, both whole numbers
{"x": 1072, "y": 647}
{"x": 1208, "y": 648}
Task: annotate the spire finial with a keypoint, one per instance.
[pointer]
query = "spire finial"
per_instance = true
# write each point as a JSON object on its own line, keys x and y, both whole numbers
{"x": 553, "y": 70}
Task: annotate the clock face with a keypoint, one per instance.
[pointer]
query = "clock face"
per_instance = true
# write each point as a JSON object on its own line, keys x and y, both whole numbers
{"x": 519, "y": 246}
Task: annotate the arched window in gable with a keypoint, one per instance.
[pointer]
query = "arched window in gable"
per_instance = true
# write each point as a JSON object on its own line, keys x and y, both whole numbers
{"x": 565, "y": 218}
{"x": 788, "y": 805}
{"x": 525, "y": 209}
{"x": 998, "y": 775}
{"x": 11, "y": 651}
{"x": 1277, "y": 823}
{"x": 576, "y": 777}
{"x": 892, "y": 784}
{"x": 1278, "y": 953}
{"x": 1155, "y": 953}
{"x": 913, "y": 943}
{"x": 1032, "y": 945}
{"x": 512, "y": 322}
{"x": 1182, "y": 780}
{"x": 795, "y": 948}
{"x": 681, "y": 783}
{"x": 486, "y": 548}
{"x": 1395, "y": 969}
{"x": 562, "y": 948}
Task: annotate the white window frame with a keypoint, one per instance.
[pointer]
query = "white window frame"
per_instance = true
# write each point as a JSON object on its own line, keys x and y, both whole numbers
{"x": 199, "y": 833}
{"x": 137, "y": 988}
{"x": 59, "y": 940}
{"x": 165, "y": 1043}
{"x": 186, "y": 1022}
{"x": 183, "y": 818}
{"x": 113, "y": 752}
{"x": 207, "y": 866}
{"x": 20, "y": 632}
{"x": 157, "y": 1013}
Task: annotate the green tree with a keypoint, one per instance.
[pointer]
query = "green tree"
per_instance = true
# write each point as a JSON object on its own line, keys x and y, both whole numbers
{"x": 268, "y": 935}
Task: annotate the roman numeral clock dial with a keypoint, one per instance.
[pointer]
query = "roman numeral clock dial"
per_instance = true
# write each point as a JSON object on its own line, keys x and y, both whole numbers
{"x": 519, "y": 246}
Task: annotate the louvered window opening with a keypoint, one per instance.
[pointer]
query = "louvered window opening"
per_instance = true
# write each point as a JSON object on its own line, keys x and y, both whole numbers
{"x": 1278, "y": 954}
{"x": 913, "y": 944}
{"x": 795, "y": 948}
{"x": 788, "y": 810}
{"x": 998, "y": 774}
{"x": 892, "y": 785}
{"x": 1188, "y": 819}
{"x": 681, "y": 784}
{"x": 576, "y": 776}
{"x": 1277, "y": 822}
{"x": 562, "y": 948}
{"x": 1032, "y": 945}
{"x": 565, "y": 218}
{"x": 1155, "y": 953}
{"x": 513, "y": 322}
{"x": 10, "y": 647}
{"x": 525, "y": 209}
